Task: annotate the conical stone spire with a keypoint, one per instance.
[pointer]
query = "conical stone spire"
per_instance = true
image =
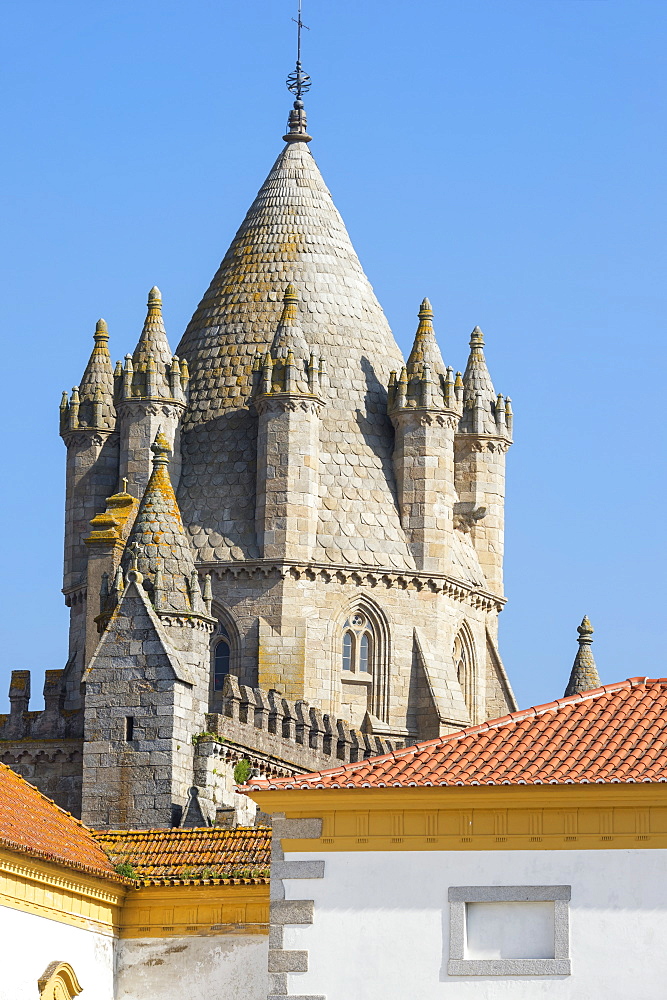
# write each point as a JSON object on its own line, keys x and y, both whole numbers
{"x": 479, "y": 396}
{"x": 158, "y": 545}
{"x": 476, "y": 377}
{"x": 152, "y": 354}
{"x": 425, "y": 348}
{"x": 289, "y": 336}
{"x": 291, "y": 234}
{"x": 96, "y": 406}
{"x": 584, "y": 676}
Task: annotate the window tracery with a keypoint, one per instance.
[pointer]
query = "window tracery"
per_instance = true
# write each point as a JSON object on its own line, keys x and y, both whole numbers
{"x": 357, "y": 646}
{"x": 464, "y": 665}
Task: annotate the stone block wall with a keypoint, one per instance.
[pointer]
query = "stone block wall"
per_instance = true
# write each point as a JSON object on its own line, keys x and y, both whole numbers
{"x": 286, "y": 623}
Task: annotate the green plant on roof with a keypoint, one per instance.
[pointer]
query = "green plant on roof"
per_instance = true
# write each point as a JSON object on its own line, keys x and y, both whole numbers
{"x": 206, "y": 738}
{"x": 126, "y": 869}
{"x": 242, "y": 771}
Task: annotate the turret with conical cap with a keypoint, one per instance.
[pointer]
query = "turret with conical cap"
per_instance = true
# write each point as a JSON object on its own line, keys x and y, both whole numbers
{"x": 158, "y": 540}
{"x": 484, "y": 434}
{"x": 425, "y": 414}
{"x": 87, "y": 426}
{"x": 151, "y": 396}
{"x": 288, "y": 440}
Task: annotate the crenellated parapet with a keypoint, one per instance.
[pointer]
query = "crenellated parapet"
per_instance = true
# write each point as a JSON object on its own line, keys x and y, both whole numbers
{"x": 53, "y": 722}
{"x": 290, "y": 732}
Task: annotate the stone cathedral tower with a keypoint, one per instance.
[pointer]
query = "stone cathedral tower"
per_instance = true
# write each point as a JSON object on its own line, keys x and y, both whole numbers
{"x": 283, "y": 543}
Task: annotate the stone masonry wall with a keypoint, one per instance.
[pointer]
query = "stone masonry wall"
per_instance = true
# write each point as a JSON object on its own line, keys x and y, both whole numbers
{"x": 286, "y": 625}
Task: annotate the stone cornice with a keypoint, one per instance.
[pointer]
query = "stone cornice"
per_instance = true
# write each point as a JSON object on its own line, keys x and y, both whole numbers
{"x": 360, "y": 576}
{"x": 290, "y": 402}
{"x": 481, "y": 818}
{"x": 87, "y": 435}
{"x": 67, "y": 896}
{"x": 483, "y": 442}
{"x": 152, "y": 405}
{"x": 425, "y": 416}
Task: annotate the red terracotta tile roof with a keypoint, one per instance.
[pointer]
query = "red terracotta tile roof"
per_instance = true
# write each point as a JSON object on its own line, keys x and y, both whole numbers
{"x": 615, "y": 733}
{"x": 242, "y": 854}
{"x": 32, "y": 824}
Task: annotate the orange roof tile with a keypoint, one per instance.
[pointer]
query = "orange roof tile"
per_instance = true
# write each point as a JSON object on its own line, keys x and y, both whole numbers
{"x": 192, "y": 854}
{"x": 32, "y": 824}
{"x": 615, "y": 733}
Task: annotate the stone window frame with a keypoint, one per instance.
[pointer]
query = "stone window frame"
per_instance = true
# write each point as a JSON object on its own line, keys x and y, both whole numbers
{"x": 468, "y": 682}
{"x": 356, "y": 632}
{"x": 377, "y": 678}
{"x": 224, "y": 619}
{"x": 459, "y": 965}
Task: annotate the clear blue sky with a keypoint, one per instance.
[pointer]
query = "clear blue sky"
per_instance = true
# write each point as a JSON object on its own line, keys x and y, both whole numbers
{"x": 505, "y": 158}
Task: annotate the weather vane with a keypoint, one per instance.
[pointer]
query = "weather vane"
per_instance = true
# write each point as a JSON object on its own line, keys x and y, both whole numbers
{"x": 298, "y": 82}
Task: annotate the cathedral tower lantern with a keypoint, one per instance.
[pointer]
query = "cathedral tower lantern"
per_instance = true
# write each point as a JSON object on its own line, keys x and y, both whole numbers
{"x": 284, "y": 541}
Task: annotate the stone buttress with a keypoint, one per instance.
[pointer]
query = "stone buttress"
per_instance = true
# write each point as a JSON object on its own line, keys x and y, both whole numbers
{"x": 146, "y": 686}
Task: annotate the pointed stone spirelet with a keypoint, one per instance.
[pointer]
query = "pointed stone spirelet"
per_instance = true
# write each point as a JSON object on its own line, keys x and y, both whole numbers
{"x": 158, "y": 546}
{"x": 476, "y": 377}
{"x": 289, "y": 336}
{"x": 97, "y": 384}
{"x": 425, "y": 348}
{"x": 479, "y": 396}
{"x": 584, "y": 676}
{"x": 152, "y": 358}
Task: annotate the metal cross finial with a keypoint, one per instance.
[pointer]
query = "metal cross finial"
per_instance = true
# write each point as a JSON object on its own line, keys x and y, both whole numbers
{"x": 298, "y": 82}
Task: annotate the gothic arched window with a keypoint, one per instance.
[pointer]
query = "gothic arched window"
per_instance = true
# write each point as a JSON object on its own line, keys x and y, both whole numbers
{"x": 348, "y": 644}
{"x": 221, "y": 657}
{"x": 464, "y": 666}
{"x": 357, "y": 648}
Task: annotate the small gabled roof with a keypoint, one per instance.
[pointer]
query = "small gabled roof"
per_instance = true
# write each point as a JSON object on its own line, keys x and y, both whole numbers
{"x": 208, "y": 853}
{"x": 616, "y": 733}
{"x": 32, "y": 824}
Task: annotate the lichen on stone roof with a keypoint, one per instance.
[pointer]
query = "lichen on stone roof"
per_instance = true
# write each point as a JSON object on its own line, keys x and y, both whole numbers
{"x": 291, "y": 234}
{"x": 97, "y": 384}
{"x": 158, "y": 546}
{"x": 152, "y": 352}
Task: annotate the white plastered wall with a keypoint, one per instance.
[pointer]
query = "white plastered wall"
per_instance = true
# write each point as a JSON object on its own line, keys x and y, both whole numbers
{"x": 381, "y": 924}
{"x": 30, "y": 943}
{"x": 216, "y": 967}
